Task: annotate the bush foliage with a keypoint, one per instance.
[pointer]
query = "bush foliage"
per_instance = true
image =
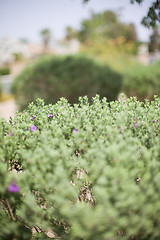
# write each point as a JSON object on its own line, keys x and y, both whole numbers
{"x": 142, "y": 81}
{"x": 71, "y": 76}
{"x": 82, "y": 172}
{"x": 4, "y": 71}
{"x": 117, "y": 53}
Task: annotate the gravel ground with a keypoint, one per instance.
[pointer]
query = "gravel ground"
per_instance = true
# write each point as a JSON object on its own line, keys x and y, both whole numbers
{"x": 7, "y": 109}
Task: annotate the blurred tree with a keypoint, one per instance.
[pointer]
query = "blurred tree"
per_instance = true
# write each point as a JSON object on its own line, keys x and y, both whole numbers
{"x": 70, "y": 33}
{"x": 103, "y": 35}
{"x": 130, "y": 33}
{"x": 153, "y": 15}
{"x": 24, "y": 40}
{"x": 46, "y": 37}
{"x": 154, "y": 44}
{"x": 105, "y": 25}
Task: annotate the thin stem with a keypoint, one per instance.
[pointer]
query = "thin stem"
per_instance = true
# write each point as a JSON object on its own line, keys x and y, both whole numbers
{"x": 36, "y": 229}
{"x": 9, "y": 209}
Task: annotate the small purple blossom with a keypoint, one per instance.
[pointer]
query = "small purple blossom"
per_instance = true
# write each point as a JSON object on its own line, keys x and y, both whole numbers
{"x": 135, "y": 125}
{"x": 59, "y": 113}
{"x": 26, "y": 129}
{"x": 33, "y": 128}
{"x": 13, "y": 187}
{"x": 33, "y": 117}
{"x": 50, "y": 115}
{"x": 75, "y": 130}
{"x": 154, "y": 120}
{"x": 121, "y": 129}
{"x": 10, "y": 134}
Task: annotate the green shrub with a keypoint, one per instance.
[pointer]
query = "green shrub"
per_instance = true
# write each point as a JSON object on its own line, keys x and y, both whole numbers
{"x": 142, "y": 81}
{"x": 82, "y": 172}
{"x": 71, "y": 76}
{"x": 4, "y": 71}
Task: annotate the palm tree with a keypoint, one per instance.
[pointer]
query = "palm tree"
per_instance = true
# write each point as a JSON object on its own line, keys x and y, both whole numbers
{"x": 46, "y": 37}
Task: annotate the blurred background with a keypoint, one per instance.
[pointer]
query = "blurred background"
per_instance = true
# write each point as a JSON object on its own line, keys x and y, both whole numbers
{"x": 36, "y": 35}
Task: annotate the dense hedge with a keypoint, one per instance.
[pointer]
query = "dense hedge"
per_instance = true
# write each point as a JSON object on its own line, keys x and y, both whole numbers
{"x": 4, "y": 71}
{"x": 82, "y": 172}
{"x": 142, "y": 81}
{"x": 71, "y": 76}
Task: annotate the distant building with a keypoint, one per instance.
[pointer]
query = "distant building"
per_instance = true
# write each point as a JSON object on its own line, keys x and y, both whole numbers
{"x": 65, "y": 47}
{"x": 35, "y": 49}
{"x": 10, "y": 50}
{"x": 145, "y": 57}
{"x": 153, "y": 57}
{"x": 143, "y": 54}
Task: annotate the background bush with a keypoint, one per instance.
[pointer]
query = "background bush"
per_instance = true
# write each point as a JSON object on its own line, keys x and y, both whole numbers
{"x": 71, "y": 76}
{"x": 142, "y": 81}
{"x": 117, "y": 54}
{"x": 4, "y": 71}
{"x": 88, "y": 171}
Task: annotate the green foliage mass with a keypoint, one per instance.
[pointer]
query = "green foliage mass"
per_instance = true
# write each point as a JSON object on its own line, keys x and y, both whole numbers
{"x": 117, "y": 54}
{"x": 89, "y": 171}
{"x": 142, "y": 81}
{"x": 153, "y": 14}
{"x": 4, "y": 71}
{"x": 66, "y": 76}
{"x": 105, "y": 36}
{"x": 103, "y": 26}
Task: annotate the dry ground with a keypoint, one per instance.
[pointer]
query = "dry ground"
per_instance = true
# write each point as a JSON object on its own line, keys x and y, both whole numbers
{"x": 7, "y": 109}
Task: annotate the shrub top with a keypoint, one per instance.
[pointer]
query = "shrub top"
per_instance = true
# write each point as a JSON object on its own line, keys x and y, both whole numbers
{"x": 87, "y": 171}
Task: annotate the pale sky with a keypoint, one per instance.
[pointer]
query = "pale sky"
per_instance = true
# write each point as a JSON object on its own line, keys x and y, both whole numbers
{"x": 26, "y": 18}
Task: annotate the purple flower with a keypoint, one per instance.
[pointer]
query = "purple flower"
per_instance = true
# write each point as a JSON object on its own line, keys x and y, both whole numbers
{"x": 75, "y": 130}
{"x": 33, "y": 117}
{"x": 59, "y": 113}
{"x": 33, "y": 128}
{"x": 135, "y": 125}
{"x": 13, "y": 187}
{"x": 50, "y": 115}
{"x": 26, "y": 129}
{"x": 121, "y": 129}
{"x": 154, "y": 120}
{"x": 10, "y": 134}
